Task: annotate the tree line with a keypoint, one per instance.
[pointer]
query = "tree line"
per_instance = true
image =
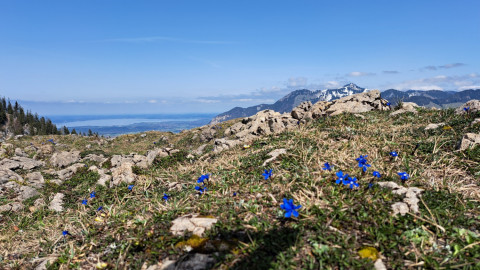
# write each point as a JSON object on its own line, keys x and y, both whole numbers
{"x": 13, "y": 118}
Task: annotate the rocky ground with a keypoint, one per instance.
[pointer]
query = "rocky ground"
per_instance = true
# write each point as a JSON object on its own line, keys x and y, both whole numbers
{"x": 140, "y": 202}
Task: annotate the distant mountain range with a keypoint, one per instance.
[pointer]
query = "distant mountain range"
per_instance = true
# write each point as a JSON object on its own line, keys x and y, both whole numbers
{"x": 431, "y": 98}
{"x": 290, "y": 101}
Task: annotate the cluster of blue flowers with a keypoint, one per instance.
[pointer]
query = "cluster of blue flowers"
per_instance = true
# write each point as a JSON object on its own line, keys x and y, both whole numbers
{"x": 351, "y": 182}
{"x": 267, "y": 174}
{"x": 201, "y": 180}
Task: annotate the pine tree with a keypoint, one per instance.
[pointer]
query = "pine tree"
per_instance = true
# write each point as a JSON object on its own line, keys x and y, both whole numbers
{"x": 66, "y": 131}
{"x": 90, "y": 133}
{"x": 74, "y": 131}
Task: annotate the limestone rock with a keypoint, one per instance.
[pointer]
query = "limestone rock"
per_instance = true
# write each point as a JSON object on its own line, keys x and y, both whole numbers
{"x": 57, "y": 202}
{"x": 104, "y": 178}
{"x": 302, "y": 111}
{"x": 7, "y": 175}
{"x": 400, "y": 208}
{"x": 410, "y": 201}
{"x": 23, "y": 163}
{"x": 469, "y": 140}
{"x": 200, "y": 149}
{"x": 473, "y": 105}
{"x": 274, "y": 154}
{"x": 476, "y": 121}
{"x": 223, "y": 144}
{"x": 69, "y": 171}
{"x": 135, "y": 159}
{"x": 208, "y": 133}
{"x": 35, "y": 179}
{"x": 20, "y": 153}
{"x": 152, "y": 154}
{"x": 192, "y": 223}
{"x": 13, "y": 207}
{"x": 64, "y": 158}
{"x": 434, "y": 126}
{"x": 123, "y": 174}
{"x": 27, "y": 192}
{"x": 406, "y": 107}
{"x": 95, "y": 158}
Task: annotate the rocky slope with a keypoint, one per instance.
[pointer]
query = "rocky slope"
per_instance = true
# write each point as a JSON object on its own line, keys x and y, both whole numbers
{"x": 432, "y": 98}
{"x": 199, "y": 199}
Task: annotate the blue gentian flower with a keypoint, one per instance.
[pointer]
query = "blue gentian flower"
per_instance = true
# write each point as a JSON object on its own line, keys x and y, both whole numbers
{"x": 267, "y": 174}
{"x": 165, "y": 196}
{"x": 362, "y": 162}
{"x": 201, "y": 189}
{"x": 92, "y": 194}
{"x": 394, "y": 154}
{"x": 370, "y": 185}
{"x": 154, "y": 142}
{"x": 377, "y": 174}
{"x": 234, "y": 194}
{"x": 341, "y": 177}
{"x": 327, "y": 166}
{"x": 84, "y": 201}
{"x": 403, "y": 176}
{"x": 352, "y": 181}
{"x": 130, "y": 187}
{"x": 388, "y": 104}
{"x": 290, "y": 208}
{"x": 202, "y": 178}
{"x": 65, "y": 233}
{"x": 466, "y": 109}
{"x": 100, "y": 208}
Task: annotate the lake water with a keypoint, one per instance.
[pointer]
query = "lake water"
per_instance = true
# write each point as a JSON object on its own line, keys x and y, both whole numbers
{"x": 114, "y": 125}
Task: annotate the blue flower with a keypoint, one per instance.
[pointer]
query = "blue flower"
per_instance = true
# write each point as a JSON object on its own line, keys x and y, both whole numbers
{"x": 403, "y": 176}
{"x": 92, "y": 194}
{"x": 377, "y": 174}
{"x": 394, "y": 154}
{"x": 130, "y": 187}
{"x": 362, "y": 162}
{"x": 370, "y": 185}
{"x": 267, "y": 174}
{"x": 341, "y": 177}
{"x": 65, "y": 233}
{"x": 100, "y": 208}
{"x": 201, "y": 189}
{"x": 84, "y": 201}
{"x": 466, "y": 109}
{"x": 351, "y": 181}
{"x": 202, "y": 178}
{"x": 165, "y": 197}
{"x": 290, "y": 208}
{"x": 388, "y": 104}
{"x": 327, "y": 166}
{"x": 234, "y": 194}
{"x": 154, "y": 142}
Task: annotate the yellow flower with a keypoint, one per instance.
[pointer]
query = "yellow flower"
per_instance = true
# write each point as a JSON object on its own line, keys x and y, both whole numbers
{"x": 369, "y": 252}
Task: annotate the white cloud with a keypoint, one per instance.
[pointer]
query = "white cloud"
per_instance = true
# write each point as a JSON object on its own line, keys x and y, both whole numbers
{"x": 440, "y": 82}
{"x": 297, "y": 82}
{"x": 152, "y": 101}
{"x": 201, "y": 100}
{"x": 452, "y": 65}
{"x": 359, "y": 74}
{"x": 467, "y": 87}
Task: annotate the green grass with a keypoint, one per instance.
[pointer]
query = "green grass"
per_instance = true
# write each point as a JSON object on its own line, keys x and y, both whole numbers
{"x": 334, "y": 223}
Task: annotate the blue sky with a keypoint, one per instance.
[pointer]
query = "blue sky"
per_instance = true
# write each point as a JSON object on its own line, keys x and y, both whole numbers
{"x": 109, "y": 57}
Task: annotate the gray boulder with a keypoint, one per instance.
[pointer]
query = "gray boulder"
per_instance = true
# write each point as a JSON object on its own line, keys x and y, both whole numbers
{"x": 472, "y": 105}
{"x": 469, "y": 140}
{"x": 23, "y": 163}
{"x": 64, "y": 158}
{"x": 123, "y": 174}
{"x": 69, "y": 171}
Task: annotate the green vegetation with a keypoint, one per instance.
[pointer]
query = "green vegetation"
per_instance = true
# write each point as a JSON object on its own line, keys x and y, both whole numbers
{"x": 335, "y": 222}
